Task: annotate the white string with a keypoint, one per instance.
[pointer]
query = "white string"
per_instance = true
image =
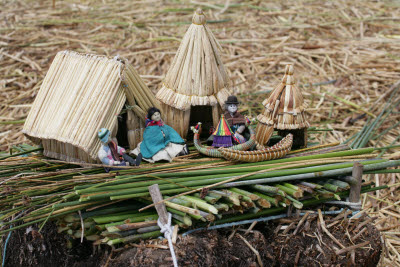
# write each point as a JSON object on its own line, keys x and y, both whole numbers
{"x": 353, "y": 205}
{"x": 167, "y": 230}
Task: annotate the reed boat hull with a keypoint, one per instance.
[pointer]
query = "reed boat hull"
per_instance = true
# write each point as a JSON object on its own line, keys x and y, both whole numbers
{"x": 275, "y": 152}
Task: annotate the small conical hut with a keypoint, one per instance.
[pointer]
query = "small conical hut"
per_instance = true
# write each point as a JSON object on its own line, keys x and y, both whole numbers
{"x": 195, "y": 86}
{"x": 80, "y": 94}
{"x": 285, "y": 112}
{"x": 223, "y": 135}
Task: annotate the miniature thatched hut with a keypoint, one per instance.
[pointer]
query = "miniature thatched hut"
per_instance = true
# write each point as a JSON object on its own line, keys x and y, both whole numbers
{"x": 81, "y": 94}
{"x": 284, "y": 111}
{"x": 195, "y": 87}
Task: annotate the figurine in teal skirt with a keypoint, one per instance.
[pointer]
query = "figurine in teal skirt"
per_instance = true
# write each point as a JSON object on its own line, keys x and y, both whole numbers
{"x": 160, "y": 141}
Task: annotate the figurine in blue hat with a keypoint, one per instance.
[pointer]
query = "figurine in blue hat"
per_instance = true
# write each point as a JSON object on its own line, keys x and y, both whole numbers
{"x": 113, "y": 155}
{"x": 160, "y": 141}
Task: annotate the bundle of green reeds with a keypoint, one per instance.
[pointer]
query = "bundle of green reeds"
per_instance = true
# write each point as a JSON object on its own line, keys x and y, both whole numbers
{"x": 313, "y": 166}
{"x": 372, "y": 128}
{"x": 122, "y": 223}
{"x": 36, "y": 189}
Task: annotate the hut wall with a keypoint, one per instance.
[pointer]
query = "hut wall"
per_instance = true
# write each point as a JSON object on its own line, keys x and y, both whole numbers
{"x": 300, "y": 137}
{"x": 135, "y": 126}
{"x": 263, "y": 133}
{"x": 177, "y": 119}
{"x": 64, "y": 151}
{"x": 72, "y": 152}
{"x": 136, "y": 91}
{"x": 180, "y": 119}
{"x": 115, "y": 129}
{"x": 216, "y": 114}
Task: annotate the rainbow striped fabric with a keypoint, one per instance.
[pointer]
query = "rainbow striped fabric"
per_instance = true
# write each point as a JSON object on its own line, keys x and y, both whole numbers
{"x": 223, "y": 130}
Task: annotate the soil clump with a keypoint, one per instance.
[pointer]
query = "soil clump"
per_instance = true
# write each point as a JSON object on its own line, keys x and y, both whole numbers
{"x": 275, "y": 244}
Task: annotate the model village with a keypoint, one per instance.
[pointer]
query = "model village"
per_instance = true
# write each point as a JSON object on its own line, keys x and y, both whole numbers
{"x": 165, "y": 171}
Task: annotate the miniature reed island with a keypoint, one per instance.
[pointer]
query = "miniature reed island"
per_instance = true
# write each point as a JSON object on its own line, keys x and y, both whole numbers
{"x": 163, "y": 184}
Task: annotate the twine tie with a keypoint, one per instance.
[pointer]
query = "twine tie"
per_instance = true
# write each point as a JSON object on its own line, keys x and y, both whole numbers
{"x": 167, "y": 230}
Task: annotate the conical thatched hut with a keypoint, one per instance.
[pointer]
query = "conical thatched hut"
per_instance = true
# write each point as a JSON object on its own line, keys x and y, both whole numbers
{"x": 195, "y": 87}
{"x": 81, "y": 94}
{"x": 284, "y": 111}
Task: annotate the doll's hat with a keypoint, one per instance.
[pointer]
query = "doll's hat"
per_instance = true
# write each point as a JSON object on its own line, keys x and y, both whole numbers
{"x": 103, "y": 134}
{"x": 232, "y": 100}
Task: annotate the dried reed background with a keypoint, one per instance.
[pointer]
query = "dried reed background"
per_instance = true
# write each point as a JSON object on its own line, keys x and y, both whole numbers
{"x": 348, "y": 49}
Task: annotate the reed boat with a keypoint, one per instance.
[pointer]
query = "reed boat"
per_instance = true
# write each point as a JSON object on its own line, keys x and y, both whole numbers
{"x": 276, "y": 151}
{"x": 214, "y": 152}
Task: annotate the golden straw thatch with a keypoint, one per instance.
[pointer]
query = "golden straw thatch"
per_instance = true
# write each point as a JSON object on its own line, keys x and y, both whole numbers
{"x": 197, "y": 77}
{"x": 81, "y": 94}
{"x": 284, "y": 109}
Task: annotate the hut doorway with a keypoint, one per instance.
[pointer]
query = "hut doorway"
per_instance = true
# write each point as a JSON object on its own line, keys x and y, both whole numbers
{"x": 204, "y": 115}
{"x": 122, "y": 132}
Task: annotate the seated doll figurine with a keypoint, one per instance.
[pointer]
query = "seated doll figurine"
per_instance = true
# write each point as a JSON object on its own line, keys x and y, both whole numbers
{"x": 236, "y": 120}
{"x": 113, "y": 155}
{"x": 160, "y": 141}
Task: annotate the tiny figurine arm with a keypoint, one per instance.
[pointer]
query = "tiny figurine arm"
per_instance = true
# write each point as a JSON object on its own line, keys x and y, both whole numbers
{"x": 103, "y": 156}
{"x": 241, "y": 129}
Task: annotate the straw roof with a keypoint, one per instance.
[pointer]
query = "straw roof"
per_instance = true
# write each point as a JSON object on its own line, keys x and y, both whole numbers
{"x": 80, "y": 94}
{"x": 284, "y": 108}
{"x": 197, "y": 75}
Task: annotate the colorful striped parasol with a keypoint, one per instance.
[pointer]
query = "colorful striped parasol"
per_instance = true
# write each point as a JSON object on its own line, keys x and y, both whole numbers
{"x": 223, "y": 135}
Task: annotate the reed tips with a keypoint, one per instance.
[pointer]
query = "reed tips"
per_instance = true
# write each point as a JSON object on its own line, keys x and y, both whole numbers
{"x": 289, "y": 69}
{"x": 198, "y": 17}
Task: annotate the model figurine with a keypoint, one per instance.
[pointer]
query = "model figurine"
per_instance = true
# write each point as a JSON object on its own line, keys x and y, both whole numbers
{"x": 223, "y": 135}
{"x": 160, "y": 141}
{"x": 113, "y": 155}
{"x": 236, "y": 120}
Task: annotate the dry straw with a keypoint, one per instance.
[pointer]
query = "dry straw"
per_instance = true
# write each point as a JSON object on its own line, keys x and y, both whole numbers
{"x": 346, "y": 48}
{"x": 197, "y": 77}
{"x": 81, "y": 94}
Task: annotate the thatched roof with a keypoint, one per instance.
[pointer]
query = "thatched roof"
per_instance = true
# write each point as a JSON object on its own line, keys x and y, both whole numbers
{"x": 197, "y": 75}
{"x": 284, "y": 108}
{"x": 81, "y": 94}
